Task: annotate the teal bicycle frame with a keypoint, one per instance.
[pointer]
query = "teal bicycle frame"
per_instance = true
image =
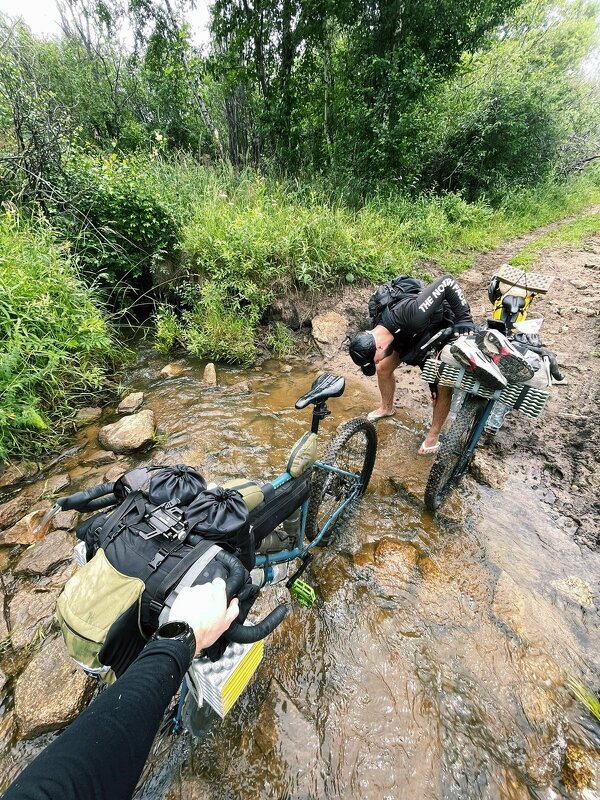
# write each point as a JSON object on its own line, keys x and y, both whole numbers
{"x": 303, "y": 547}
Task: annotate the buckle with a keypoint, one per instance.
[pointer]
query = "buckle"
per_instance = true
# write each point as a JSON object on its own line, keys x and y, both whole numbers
{"x": 167, "y": 522}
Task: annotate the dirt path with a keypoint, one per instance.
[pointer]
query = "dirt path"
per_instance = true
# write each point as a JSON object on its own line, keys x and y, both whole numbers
{"x": 558, "y": 454}
{"x": 562, "y": 453}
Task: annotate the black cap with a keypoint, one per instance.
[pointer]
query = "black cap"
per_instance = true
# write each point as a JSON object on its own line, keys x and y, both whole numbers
{"x": 362, "y": 352}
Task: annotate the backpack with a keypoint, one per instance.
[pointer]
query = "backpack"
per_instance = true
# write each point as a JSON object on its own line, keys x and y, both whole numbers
{"x": 167, "y": 531}
{"x": 389, "y": 293}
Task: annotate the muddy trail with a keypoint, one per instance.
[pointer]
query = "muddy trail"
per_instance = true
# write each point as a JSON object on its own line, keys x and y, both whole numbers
{"x": 435, "y": 664}
{"x": 557, "y": 455}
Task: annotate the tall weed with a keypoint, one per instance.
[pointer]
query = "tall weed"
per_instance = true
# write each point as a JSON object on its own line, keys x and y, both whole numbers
{"x": 54, "y": 342}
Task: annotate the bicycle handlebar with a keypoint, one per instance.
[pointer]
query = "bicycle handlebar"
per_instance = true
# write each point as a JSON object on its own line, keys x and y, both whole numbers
{"x": 443, "y": 334}
{"x": 80, "y": 501}
{"x": 246, "y": 634}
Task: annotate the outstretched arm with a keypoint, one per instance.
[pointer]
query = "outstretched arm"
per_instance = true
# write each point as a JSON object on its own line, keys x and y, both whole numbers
{"x": 102, "y": 754}
{"x": 415, "y": 312}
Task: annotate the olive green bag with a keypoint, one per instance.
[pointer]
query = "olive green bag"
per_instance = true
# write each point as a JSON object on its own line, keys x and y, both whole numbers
{"x": 92, "y": 601}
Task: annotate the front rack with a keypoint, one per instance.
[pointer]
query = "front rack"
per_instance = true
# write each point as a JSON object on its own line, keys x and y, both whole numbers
{"x": 526, "y": 399}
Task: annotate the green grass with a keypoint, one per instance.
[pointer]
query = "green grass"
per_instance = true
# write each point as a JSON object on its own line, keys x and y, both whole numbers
{"x": 54, "y": 342}
{"x": 571, "y": 234}
{"x": 586, "y": 697}
{"x": 247, "y": 239}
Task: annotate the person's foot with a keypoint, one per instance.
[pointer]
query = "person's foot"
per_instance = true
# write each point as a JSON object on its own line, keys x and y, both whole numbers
{"x": 511, "y": 363}
{"x": 466, "y": 352}
{"x": 428, "y": 449}
{"x": 380, "y": 413}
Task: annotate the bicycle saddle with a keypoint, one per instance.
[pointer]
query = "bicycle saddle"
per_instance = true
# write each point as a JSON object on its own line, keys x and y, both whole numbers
{"x": 323, "y": 387}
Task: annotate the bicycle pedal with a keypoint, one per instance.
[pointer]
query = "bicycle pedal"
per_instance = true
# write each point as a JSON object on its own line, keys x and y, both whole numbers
{"x": 303, "y": 593}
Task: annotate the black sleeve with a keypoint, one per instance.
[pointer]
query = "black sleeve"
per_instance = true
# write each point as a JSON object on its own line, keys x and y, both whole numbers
{"x": 416, "y": 312}
{"x": 102, "y": 754}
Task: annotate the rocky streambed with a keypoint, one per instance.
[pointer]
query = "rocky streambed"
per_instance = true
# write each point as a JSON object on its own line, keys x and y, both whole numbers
{"x": 437, "y": 659}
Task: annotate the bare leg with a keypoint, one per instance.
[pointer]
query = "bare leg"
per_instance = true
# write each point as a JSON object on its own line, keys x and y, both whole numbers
{"x": 387, "y": 384}
{"x": 441, "y": 407}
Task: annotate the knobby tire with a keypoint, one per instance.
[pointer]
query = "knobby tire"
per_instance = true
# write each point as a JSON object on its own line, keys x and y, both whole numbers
{"x": 449, "y": 466}
{"x": 353, "y": 449}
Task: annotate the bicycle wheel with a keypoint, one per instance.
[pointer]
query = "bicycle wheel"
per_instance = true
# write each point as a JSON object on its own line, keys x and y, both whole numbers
{"x": 450, "y": 463}
{"x": 353, "y": 449}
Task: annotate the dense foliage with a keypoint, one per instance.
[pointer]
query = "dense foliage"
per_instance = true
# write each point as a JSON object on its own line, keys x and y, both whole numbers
{"x": 54, "y": 343}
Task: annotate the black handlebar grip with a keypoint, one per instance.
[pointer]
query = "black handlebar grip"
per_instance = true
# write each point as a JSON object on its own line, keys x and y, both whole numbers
{"x": 236, "y": 579}
{"x": 101, "y": 502}
{"x": 80, "y": 500}
{"x": 247, "y": 634}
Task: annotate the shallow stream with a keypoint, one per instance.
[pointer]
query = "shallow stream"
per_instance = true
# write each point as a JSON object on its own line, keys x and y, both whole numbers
{"x": 435, "y": 661}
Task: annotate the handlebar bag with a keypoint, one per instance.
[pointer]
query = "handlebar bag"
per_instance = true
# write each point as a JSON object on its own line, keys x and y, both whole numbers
{"x": 137, "y": 555}
{"x": 221, "y": 515}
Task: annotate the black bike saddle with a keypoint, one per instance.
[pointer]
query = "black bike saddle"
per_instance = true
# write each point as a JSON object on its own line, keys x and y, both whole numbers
{"x": 323, "y": 387}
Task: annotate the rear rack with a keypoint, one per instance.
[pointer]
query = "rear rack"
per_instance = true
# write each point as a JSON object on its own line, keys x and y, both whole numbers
{"x": 533, "y": 282}
{"x": 526, "y": 399}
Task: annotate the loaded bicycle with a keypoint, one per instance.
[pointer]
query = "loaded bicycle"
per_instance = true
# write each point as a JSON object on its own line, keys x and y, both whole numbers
{"x": 289, "y": 516}
{"x": 479, "y": 408}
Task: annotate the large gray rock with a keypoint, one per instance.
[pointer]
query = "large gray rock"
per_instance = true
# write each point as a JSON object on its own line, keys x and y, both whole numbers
{"x": 87, "y": 415}
{"x": 12, "y": 511}
{"x": 31, "y": 613}
{"x": 54, "y": 549}
{"x": 51, "y": 692}
{"x": 130, "y": 403}
{"x": 329, "y": 332}
{"x": 27, "y": 530}
{"x": 128, "y": 434}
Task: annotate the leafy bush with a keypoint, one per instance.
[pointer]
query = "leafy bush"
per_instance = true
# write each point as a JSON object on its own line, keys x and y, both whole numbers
{"x": 54, "y": 342}
{"x": 118, "y": 230}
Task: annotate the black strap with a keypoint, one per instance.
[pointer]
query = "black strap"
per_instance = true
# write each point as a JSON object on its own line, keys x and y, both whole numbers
{"x": 165, "y": 551}
{"x": 112, "y": 527}
{"x": 172, "y": 578}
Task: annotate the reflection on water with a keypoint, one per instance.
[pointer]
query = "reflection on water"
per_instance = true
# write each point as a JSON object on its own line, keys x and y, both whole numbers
{"x": 433, "y": 665}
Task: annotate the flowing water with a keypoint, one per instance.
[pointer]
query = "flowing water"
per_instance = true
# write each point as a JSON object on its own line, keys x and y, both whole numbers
{"x": 434, "y": 663}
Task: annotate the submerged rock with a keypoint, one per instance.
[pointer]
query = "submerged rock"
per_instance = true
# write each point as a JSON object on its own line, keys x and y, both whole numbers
{"x": 54, "y": 549}
{"x": 87, "y": 415}
{"x": 31, "y": 613}
{"x": 56, "y": 483}
{"x": 99, "y": 458}
{"x": 128, "y": 434}
{"x": 576, "y": 589}
{"x": 172, "y": 370}
{"x": 329, "y": 332}
{"x": 18, "y": 472}
{"x": 130, "y": 403}
{"x": 242, "y": 387}
{"x": 209, "y": 376}
{"x": 488, "y": 470}
{"x": 51, "y": 692}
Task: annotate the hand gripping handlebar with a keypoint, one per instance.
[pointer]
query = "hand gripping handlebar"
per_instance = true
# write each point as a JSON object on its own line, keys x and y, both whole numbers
{"x": 246, "y": 634}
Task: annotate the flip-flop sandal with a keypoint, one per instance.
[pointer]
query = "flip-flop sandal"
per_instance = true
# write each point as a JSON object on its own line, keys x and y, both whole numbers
{"x": 374, "y": 416}
{"x": 428, "y": 450}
